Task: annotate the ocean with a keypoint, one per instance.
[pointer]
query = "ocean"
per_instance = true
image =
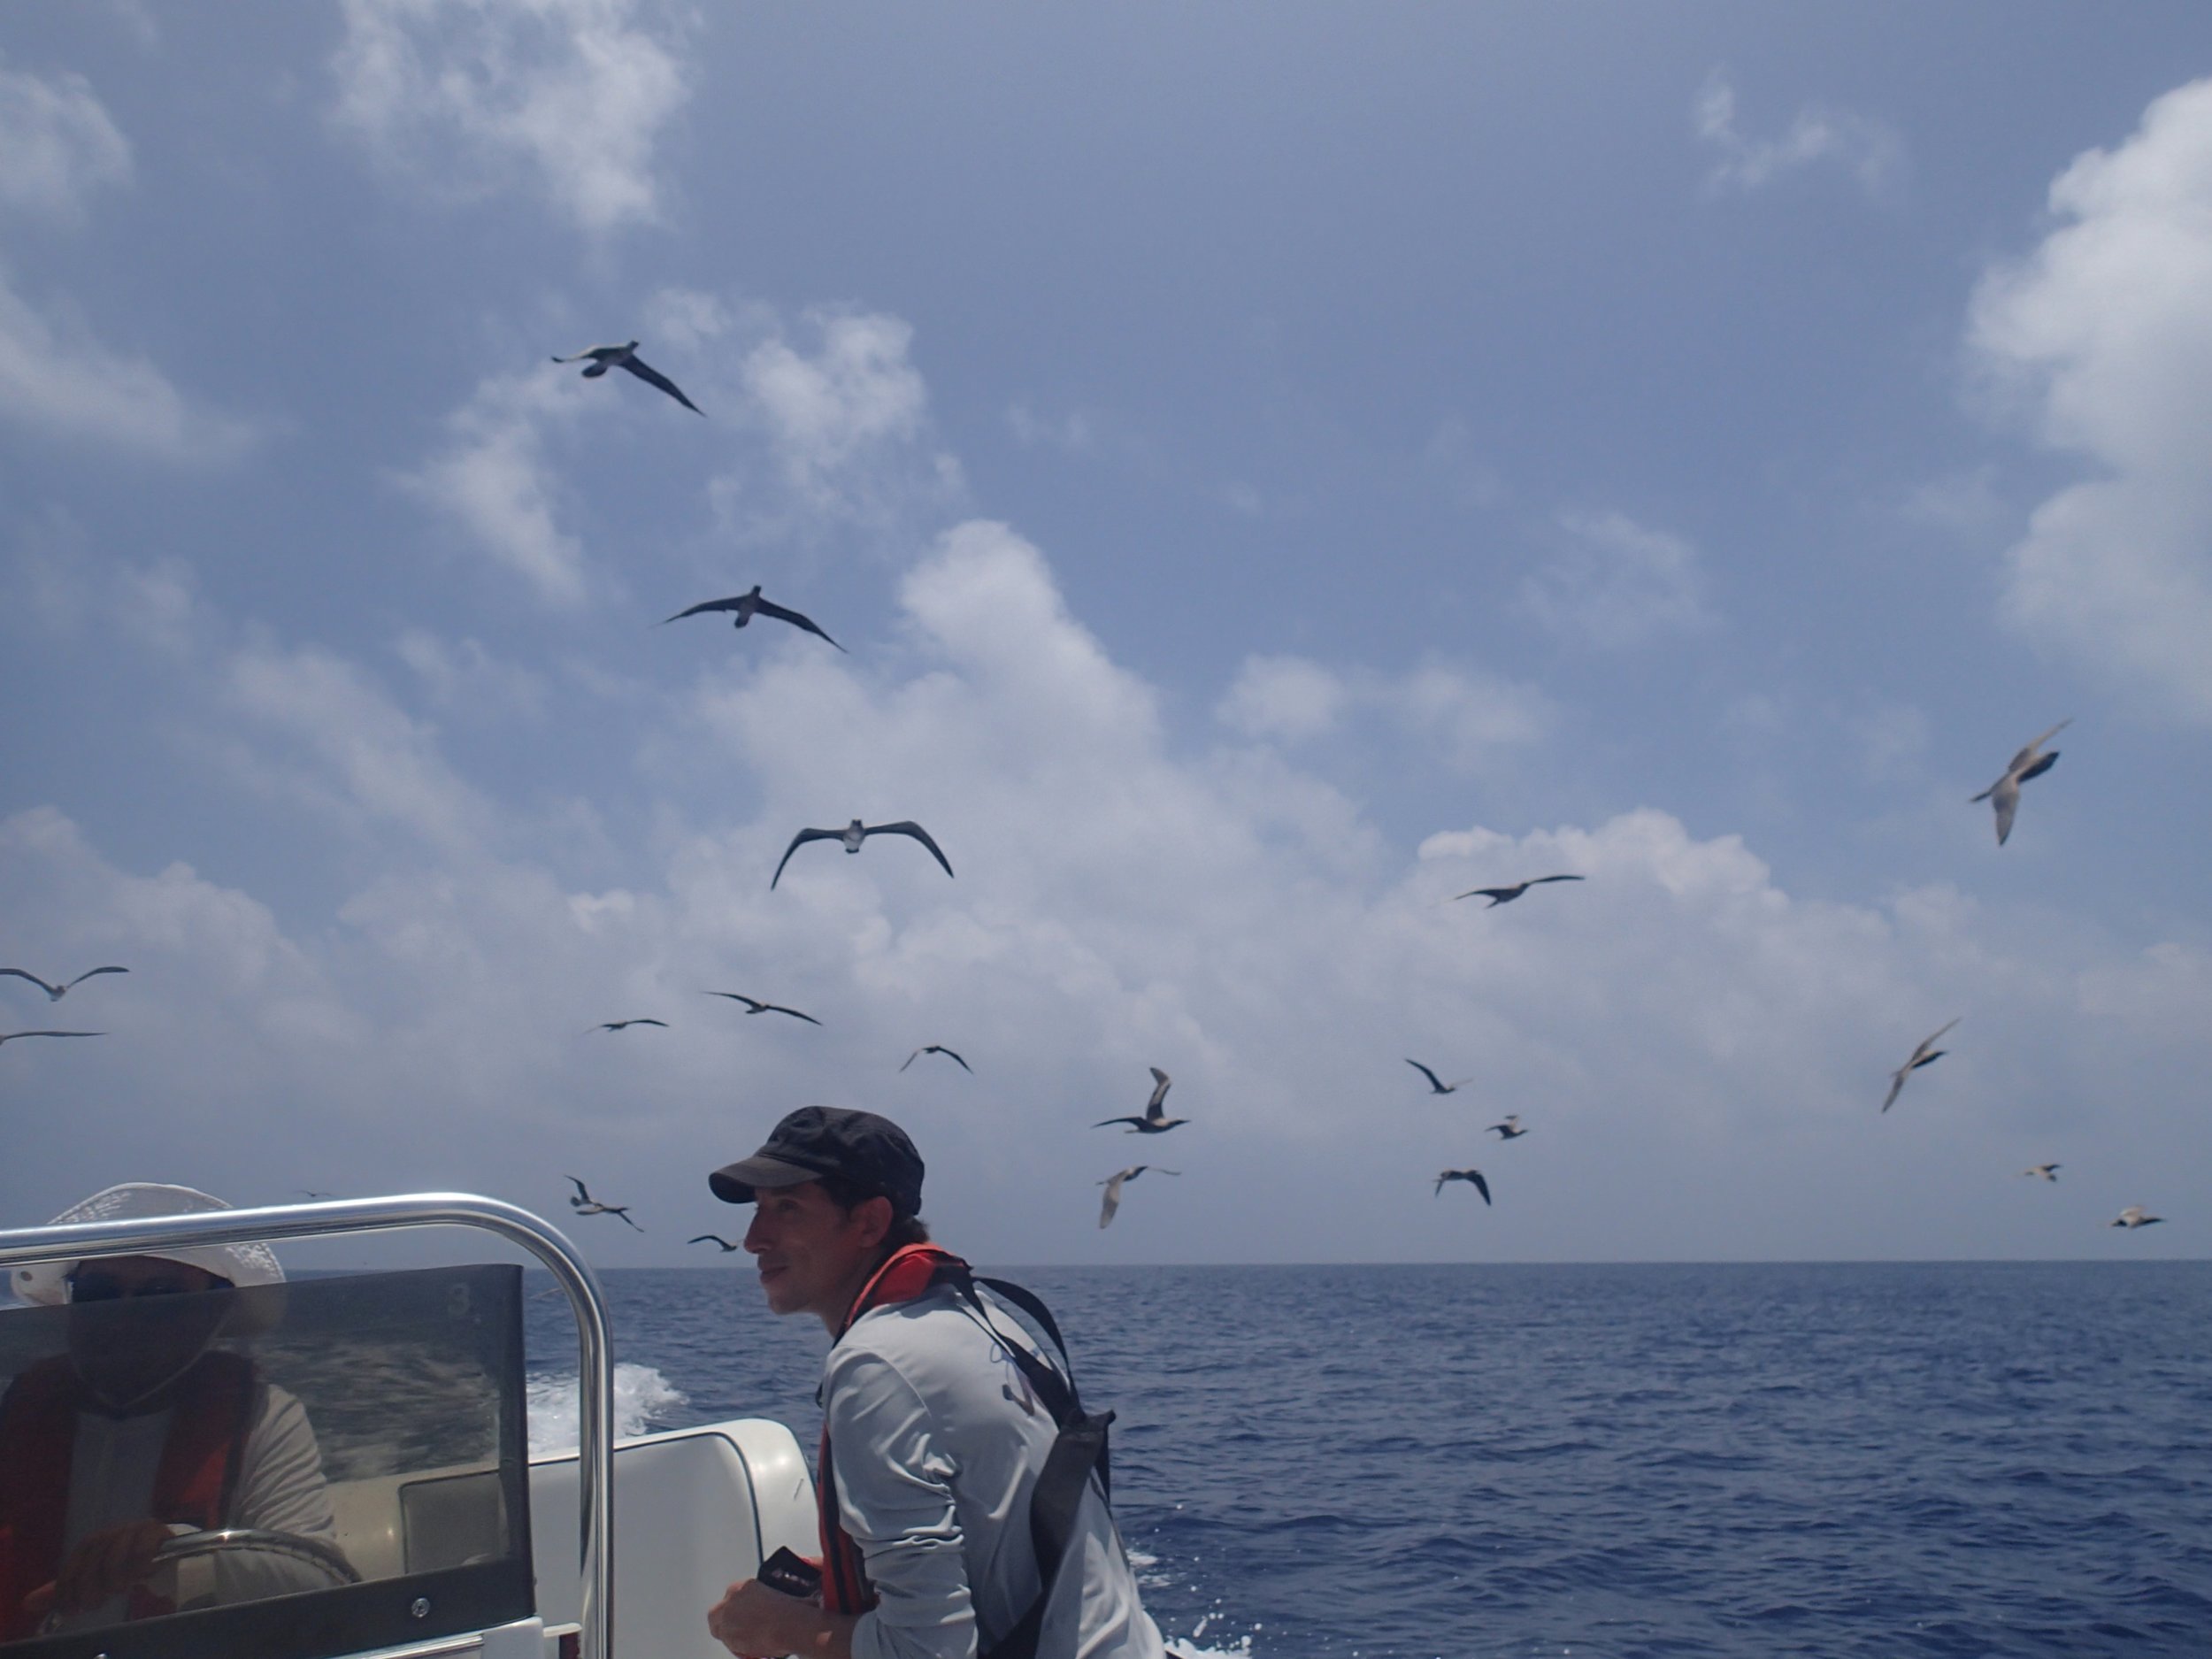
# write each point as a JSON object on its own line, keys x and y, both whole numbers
{"x": 1877, "y": 1460}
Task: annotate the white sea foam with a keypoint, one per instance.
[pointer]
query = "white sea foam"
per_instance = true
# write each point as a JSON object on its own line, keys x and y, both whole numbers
{"x": 642, "y": 1397}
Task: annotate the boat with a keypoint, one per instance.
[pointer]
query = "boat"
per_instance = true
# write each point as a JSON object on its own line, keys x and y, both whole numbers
{"x": 447, "y": 1536}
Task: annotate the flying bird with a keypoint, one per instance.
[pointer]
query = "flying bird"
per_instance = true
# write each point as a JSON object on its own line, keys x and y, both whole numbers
{"x": 624, "y": 1025}
{"x": 714, "y": 1238}
{"x": 1113, "y": 1183}
{"x": 10, "y": 1036}
{"x": 1509, "y": 1129}
{"x": 310, "y": 1194}
{"x": 1506, "y": 896}
{"x": 748, "y": 605}
{"x": 1926, "y": 1054}
{"x": 2030, "y": 761}
{"x": 1473, "y": 1177}
{"x": 2134, "y": 1217}
{"x": 852, "y": 835}
{"x": 1156, "y": 1120}
{"x": 937, "y": 1047}
{"x": 753, "y": 1005}
{"x": 1437, "y": 1085}
{"x": 55, "y": 992}
{"x": 626, "y": 357}
{"x": 585, "y": 1205}
{"x": 2049, "y": 1171}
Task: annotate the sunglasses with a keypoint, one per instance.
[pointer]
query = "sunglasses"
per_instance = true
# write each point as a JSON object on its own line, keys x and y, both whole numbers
{"x": 108, "y": 1288}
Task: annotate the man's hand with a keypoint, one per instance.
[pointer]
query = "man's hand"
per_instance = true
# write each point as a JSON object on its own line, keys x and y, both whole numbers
{"x": 104, "y": 1564}
{"x": 755, "y": 1622}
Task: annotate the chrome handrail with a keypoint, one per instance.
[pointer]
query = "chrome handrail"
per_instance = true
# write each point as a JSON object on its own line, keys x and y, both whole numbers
{"x": 594, "y": 1380}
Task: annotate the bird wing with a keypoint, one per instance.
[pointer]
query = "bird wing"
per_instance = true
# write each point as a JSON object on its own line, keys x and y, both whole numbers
{"x": 20, "y": 973}
{"x": 1160, "y": 1082}
{"x": 1435, "y": 1082}
{"x": 907, "y": 826}
{"x": 704, "y": 604}
{"x": 623, "y": 1210}
{"x": 949, "y": 1054}
{"x": 1542, "y": 880}
{"x": 797, "y": 841}
{"x": 1496, "y": 895}
{"x": 11, "y": 1036}
{"x": 1896, "y": 1086}
{"x": 1112, "y": 1201}
{"x": 710, "y": 1238}
{"x": 2004, "y": 797}
{"x": 89, "y": 972}
{"x": 1929, "y": 1042}
{"x": 785, "y": 614}
{"x": 912, "y": 1057}
{"x": 2028, "y": 754}
{"x": 1441, "y": 1179}
{"x": 1103, "y": 1122}
{"x": 651, "y": 376}
{"x": 582, "y": 1191}
{"x": 588, "y": 352}
{"x": 776, "y": 1008}
{"x": 1481, "y": 1185}
{"x": 661, "y": 1023}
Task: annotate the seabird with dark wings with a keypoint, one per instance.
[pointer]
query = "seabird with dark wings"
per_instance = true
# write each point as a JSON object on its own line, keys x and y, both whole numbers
{"x": 55, "y": 992}
{"x": 1926, "y": 1054}
{"x": 1437, "y": 1085}
{"x": 753, "y": 1005}
{"x": 10, "y": 1036}
{"x": 1506, "y": 896}
{"x": 2049, "y": 1171}
{"x": 748, "y": 605}
{"x": 585, "y": 1205}
{"x": 1473, "y": 1177}
{"x": 2032, "y": 762}
{"x": 938, "y": 1048}
{"x": 714, "y": 1238}
{"x": 624, "y": 1025}
{"x": 1508, "y": 1130}
{"x": 1113, "y": 1185}
{"x": 852, "y": 835}
{"x": 2135, "y": 1216}
{"x": 1156, "y": 1120}
{"x": 624, "y": 357}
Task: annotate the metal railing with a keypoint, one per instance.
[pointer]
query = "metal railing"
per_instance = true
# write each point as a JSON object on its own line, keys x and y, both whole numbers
{"x": 594, "y": 1355}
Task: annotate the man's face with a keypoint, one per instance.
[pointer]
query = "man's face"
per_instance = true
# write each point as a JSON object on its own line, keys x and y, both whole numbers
{"x": 813, "y": 1255}
{"x": 137, "y": 1323}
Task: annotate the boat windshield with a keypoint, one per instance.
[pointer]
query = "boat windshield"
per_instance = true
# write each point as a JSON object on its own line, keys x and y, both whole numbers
{"x": 293, "y": 1470}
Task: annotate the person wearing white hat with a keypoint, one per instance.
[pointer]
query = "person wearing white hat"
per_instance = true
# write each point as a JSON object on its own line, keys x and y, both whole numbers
{"x": 131, "y": 1438}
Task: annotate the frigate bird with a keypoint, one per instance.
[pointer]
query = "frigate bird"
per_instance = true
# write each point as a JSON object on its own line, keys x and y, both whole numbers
{"x": 1473, "y": 1177}
{"x": 1926, "y": 1054}
{"x": 1509, "y": 1129}
{"x": 714, "y": 1238}
{"x": 585, "y": 1205}
{"x": 624, "y": 357}
{"x": 852, "y": 835}
{"x": 1437, "y": 1085}
{"x": 1506, "y": 896}
{"x": 10, "y": 1036}
{"x": 2030, "y": 761}
{"x": 748, "y": 605}
{"x": 624, "y": 1025}
{"x": 753, "y": 1005}
{"x": 2049, "y": 1171}
{"x": 2134, "y": 1215}
{"x": 1156, "y": 1120}
{"x": 1113, "y": 1184}
{"x": 55, "y": 992}
{"x": 937, "y": 1047}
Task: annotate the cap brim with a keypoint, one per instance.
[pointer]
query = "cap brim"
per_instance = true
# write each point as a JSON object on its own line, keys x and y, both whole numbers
{"x": 733, "y": 1183}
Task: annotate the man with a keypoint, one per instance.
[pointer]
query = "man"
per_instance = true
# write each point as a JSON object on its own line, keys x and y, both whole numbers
{"x": 143, "y": 1429}
{"x": 949, "y": 1431}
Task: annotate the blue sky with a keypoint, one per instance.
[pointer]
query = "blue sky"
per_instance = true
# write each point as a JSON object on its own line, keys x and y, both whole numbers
{"x": 1275, "y": 468}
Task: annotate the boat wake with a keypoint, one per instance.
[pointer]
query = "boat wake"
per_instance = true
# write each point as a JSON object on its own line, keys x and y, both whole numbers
{"x": 642, "y": 1398}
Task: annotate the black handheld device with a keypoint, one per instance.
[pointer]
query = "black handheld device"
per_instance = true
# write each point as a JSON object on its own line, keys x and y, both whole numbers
{"x": 791, "y": 1574}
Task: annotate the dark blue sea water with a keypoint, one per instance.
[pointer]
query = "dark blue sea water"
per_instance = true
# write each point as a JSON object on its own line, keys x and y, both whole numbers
{"x": 1869, "y": 1460}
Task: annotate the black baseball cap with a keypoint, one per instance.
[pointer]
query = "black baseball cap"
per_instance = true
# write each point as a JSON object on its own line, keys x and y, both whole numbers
{"x": 870, "y": 1152}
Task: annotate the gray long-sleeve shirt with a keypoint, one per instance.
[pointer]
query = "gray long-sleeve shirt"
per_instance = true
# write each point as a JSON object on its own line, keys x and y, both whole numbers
{"x": 939, "y": 1441}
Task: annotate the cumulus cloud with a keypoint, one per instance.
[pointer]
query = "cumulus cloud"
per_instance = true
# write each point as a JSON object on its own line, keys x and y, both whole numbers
{"x": 2103, "y": 332}
{"x": 58, "y": 144}
{"x": 1866, "y": 148}
{"x": 460, "y": 97}
{"x": 1611, "y": 582}
{"x": 1467, "y": 715}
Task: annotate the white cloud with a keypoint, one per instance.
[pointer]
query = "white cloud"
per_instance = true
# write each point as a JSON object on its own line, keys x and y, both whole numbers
{"x": 1611, "y": 582}
{"x": 1467, "y": 715}
{"x": 58, "y": 144}
{"x": 463, "y": 676}
{"x": 1073, "y": 433}
{"x": 1289, "y": 697}
{"x": 57, "y": 380}
{"x": 833, "y": 413}
{"x": 2104, "y": 333}
{"x": 1866, "y": 148}
{"x": 458, "y": 97}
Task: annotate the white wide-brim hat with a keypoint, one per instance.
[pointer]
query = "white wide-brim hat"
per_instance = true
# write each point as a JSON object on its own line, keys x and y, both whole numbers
{"x": 46, "y": 1283}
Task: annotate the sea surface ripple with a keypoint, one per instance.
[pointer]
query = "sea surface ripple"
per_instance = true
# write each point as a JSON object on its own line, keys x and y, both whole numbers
{"x": 1875, "y": 1460}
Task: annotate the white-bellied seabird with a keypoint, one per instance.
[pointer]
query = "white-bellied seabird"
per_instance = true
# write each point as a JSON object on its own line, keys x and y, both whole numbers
{"x": 585, "y": 1205}
{"x": 1506, "y": 896}
{"x": 1509, "y": 1129}
{"x": 1926, "y": 1054}
{"x": 2134, "y": 1215}
{"x": 1473, "y": 1177}
{"x": 1113, "y": 1183}
{"x": 2030, "y": 761}
{"x": 55, "y": 992}
{"x": 937, "y": 1047}
{"x": 10, "y": 1036}
{"x": 624, "y": 1024}
{"x": 748, "y": 605}
{"x": 1156, "y": 1120}
{"x": 1437, "y": 1085}
{"x": 2049, "y": 1171}
{"x": 714, "y": 1238}
{"x": 753, "y": 1005}
{"x": 852, "y": 835}
{"x": 624, "y": 357}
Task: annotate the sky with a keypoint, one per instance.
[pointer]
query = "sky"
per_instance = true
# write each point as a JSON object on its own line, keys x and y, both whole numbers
{"x": 1273, "y": 468}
